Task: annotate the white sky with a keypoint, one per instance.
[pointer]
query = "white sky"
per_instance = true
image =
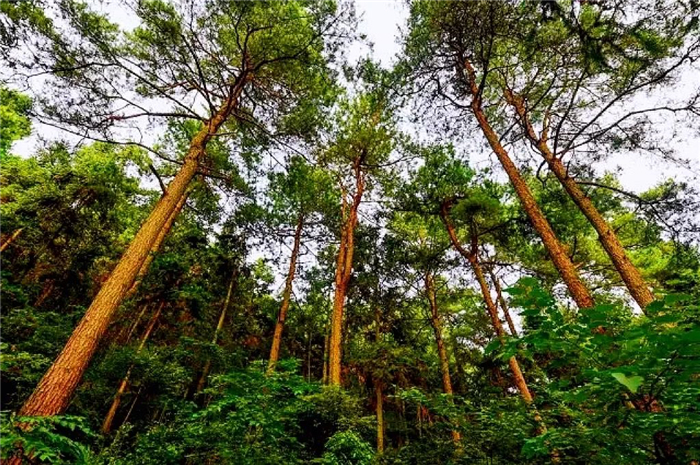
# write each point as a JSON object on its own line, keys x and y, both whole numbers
{"x": 381, "y": 20}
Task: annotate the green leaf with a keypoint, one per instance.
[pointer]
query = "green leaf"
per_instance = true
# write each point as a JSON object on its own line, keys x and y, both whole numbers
{"x": 630, "y": 382}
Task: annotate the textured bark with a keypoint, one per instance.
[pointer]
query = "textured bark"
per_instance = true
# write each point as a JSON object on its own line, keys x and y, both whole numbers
{"x": 109, "y": 418}
{"x": 436, "y": 323}
{"x": 554, "y": 248}
{"x": 502, "y": 302}
{"x": 343, "y": 273}
{"x": 10, "y": 239}
{"x": 53, "y": 393}
{"x": 165, "y": 230}
{"x": 628, "y": 272}
{"x": 286, "y": 297}
{"x": 219, "y": 326}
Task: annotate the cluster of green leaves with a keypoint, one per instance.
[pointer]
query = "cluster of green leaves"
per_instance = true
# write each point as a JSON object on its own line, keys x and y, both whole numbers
{"x": 58, "y": 440}
{"x": 612, "y": 383}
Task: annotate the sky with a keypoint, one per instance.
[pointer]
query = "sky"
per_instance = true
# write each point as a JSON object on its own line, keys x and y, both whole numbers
{"x": 381, "y": 20}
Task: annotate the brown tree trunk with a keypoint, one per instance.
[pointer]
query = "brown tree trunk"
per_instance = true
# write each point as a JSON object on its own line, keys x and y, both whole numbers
{"x": 567, "y": 271}
{"x": 286, "y": 297}
{"x": 380, "y": 417}
{"x": 45, "y": 292}
{"x": 442, "y": 352}
{"x": 326, "y": 348}
{"x": 10, "y": 239}
{"x": 628, "y": 272}
{"x": 109, "y": 418}
{"x": 219, "y": 326}
{"x": 133, "y": 327}
{"x": 343, "y": 274}
{"x": 157, "y": 244}
{"x": 502, "y": 302}
{"x": 473, "y": 259}
{"x": 53, "y": 393}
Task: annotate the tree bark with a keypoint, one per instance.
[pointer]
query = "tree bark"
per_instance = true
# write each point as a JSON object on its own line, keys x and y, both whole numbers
{"x": 380, "y": 417}
{"x": 165, "y": 230}
{"x": 502, "y": 302}
{"x": 442, "y": 352}
{"x": 219, "y": 326}
{"x": 10, "y": 239}
{"x": 343, "y": 274}
{"x": 286, "y": 297}
{"x": 554, "y": 248}
{"x": 628, "y": 272}
{"x": 109, "y": 418}
{"x": 53, "y": 393}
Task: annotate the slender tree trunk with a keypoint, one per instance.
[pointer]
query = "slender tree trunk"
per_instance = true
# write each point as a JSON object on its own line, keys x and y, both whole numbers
{"x": 472, "y": 257}
{"x": 378, "y": 382}
{"x": 380, "y": 417}
{"x": 502, "y": 302}
{"x": 165, "y": 230}
{"x": 45, "y": 293}
{"x": 628, "y": 272}
{"x": 135, "y": 324}
{"x": 442, "y": 352}
{"x": 109, "y": 418}
{"x": 343, "y": 274}
{"x": 326, "y": 348}
{"x": 554, "y": 248}
{"x": 219, "y": 326}
{"x": 10, "y": 239}
{"x": 286, "y": 297}
{"x": 53, "y": 393}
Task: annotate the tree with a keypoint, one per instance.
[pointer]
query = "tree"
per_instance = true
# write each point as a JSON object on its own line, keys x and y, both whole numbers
{"x": 443, "y": 37}
{"x": 300, "y": 193}
{"x": 363, "y": 140}
{"x": 264, "y": 44}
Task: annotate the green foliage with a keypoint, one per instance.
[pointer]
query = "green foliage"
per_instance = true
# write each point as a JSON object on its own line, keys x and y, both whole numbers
{"x": 347, "y": 448}
{"x": 47, "y": 439}
{"x": 14, "y": 123}
{"x": 622, "y": 381}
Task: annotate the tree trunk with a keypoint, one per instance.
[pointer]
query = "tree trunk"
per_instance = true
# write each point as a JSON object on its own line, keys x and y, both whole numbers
{"x": 472, "y": 257}
{"x": 53, "y": 393}
{"x": 378, "y": 382}
{"x": 442, "y": 352}
{"x": 628, "y": 272}
{"x": 326, "y": 348}
{"x": 133, "y": 327}
{"x": 109, "y": 418}
{"x": 10, "y": 239}
{"x": 554, "y": 248}
{"x": 502, "y": 302}
{"x": 380, "y": 417}
{"x": 286, "y": 297}
{"x": 343, "y": 274}
{"x": 157, "y": 244}
{"x": 219, "y": 326}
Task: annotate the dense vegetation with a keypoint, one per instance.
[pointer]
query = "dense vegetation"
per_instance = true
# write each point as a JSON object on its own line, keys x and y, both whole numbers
{"x": 248, "y": 249}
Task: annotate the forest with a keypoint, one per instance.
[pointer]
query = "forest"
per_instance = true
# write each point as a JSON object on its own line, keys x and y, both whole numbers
{"x": 228, "y": 238}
